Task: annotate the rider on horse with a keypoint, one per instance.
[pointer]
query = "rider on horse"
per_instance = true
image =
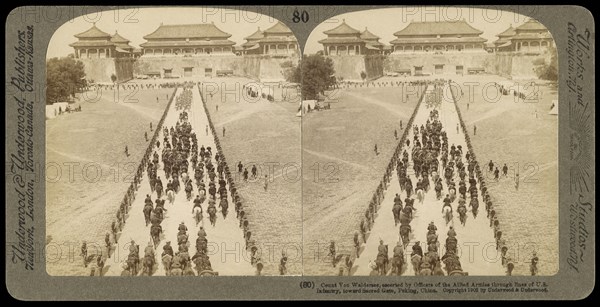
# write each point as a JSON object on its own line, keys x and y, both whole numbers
{"x": 398, "y": 250}
{"x": 432, "y": 228}
{"x": 416, "y": 249}
{"x": 149, "y": 250}
{"x": 182, "y": 227}
{"x": 167, "y": 249}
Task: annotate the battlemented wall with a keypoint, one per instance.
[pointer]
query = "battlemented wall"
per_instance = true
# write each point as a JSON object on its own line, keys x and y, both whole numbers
{"x": 399, "y": 62}
{"x": 508, "y": 64}
{"x": 258, "y": 67}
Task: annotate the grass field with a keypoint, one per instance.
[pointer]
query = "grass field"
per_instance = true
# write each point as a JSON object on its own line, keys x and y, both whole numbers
{"x": 340, "y": 168}
{"x": 509, "y": 132}
{"x": 87, "y": 171}
{"x": 267, "y": 135}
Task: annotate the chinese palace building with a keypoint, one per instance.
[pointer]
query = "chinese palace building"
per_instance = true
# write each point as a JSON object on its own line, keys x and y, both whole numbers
{"x": 122, "y": 45}
{"x": 530, "y": 37}
{"x": 278, "y": 40}
{"x": 343, "y": 40}
{"x": 94, "y": 44}
{"x": 445, "y": 36}
{"x": 187, "y": 40}
{"x": 373, "y": 46}
{"x": 251, "y": 45}
{"x": 503, "y": 42}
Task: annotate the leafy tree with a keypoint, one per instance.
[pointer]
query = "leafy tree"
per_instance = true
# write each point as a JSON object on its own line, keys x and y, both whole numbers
{"x": 548, "y": 71}
{"x": 64, "y": 77}
{"x": 315, "y": 73}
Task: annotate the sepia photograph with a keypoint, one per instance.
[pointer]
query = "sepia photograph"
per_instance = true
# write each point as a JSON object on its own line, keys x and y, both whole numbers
{"x": 430, "y": 144}
{"x": 173, "y": 145}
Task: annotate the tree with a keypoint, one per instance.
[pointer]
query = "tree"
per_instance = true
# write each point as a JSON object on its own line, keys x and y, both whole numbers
{"x": 548, "y": 71}
{"x": 64, "y": 77}
{"x": 315, "y": 73}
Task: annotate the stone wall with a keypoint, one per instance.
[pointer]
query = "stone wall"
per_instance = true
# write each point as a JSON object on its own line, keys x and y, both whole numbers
{"x": 256, "y": 67}
{"x": 124, "y": 69}
{"x": 509, "y": 64}
{"x": 348, "y": 67}
{"x": 397, "y": 62}
{"x": 99, "y": 70}
{"x": 374, "y": 66}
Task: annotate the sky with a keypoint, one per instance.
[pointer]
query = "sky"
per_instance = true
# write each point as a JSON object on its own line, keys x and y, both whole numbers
{"x": 133, "y": 24}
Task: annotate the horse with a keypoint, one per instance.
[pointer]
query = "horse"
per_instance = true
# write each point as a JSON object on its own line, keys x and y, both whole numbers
{"x": 224, "y": 206}
{"x": 171, "y": 196}
{"x": 405, "y": 218}
{"x": 447, "y": 212}
{"x": 462, "y": 213}
{"x": 188, "y": 191}
{"x": 182, "y": 239}
{"x": 184, "y": 178}
{"x": 451, "y": 244}
{"x": 197, "y": 211}
{"x": 437, "y": 269}
{"x": 132, "y": 264}
{"x": 435, "y": 176}
{"x": 159, "y": 190}
{"x": 475, "y": 206}
{"x": 188, "y": 271}
{"x": 396, "y": 211}
{"x": 147, "y": 210}
{"x": 404, "y": 234}
{"x": 381, "y": 262}
{"x": 420, "y": 195}
{"x": 397, "y": 263}
{"x": 167, "y": 260}
{"x": 212, "y": 215}
{"x": 438, "y": 190}
{"x": 148, "y": 265}
{"x": 452, "y": 193}
{"x": 425, "y": 269}
{"x": 176, "y": 271}
{"x": 155, "y": 231}
{"x": 416, "y": 262}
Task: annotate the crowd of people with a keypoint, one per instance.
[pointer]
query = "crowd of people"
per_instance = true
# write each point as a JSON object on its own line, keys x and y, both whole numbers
{"x": 443, "y": 167}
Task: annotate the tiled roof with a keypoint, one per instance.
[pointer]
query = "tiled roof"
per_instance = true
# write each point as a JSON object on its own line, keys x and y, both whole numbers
{"x": 531, "y": 25}
{"x": 278, "y": 28}
{"x": 190, "y": 31}
{"x": 256, "y": 35}
{"x": 117, "y": 38}
{"x": 93, "y": 32}
{"x": 367, "y": 35}
{"x": 342, "y": 29}
{"x": 508, "y": 32}
{"x": 438, "y": 28}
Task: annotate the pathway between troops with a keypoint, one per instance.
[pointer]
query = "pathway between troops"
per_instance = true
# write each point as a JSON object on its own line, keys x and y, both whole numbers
{"x": 226, "y": 244}
{"x": 476, "y": 243}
